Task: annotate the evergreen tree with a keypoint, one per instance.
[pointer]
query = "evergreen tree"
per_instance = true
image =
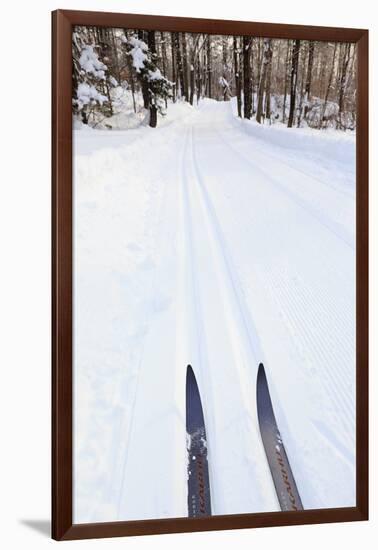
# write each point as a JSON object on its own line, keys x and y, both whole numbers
{"x": 89, "y": 75}
{"x": 157, "y": 87}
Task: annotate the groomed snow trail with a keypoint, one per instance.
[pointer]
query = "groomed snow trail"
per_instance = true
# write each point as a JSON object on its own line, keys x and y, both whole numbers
{"x": 242, "y": 260}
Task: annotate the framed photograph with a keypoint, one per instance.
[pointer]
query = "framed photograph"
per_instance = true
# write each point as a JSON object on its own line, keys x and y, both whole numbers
{"x": 210, "y": 274}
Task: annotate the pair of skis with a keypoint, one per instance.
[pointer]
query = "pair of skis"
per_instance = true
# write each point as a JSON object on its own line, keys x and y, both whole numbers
{"x": 199, "y": 502}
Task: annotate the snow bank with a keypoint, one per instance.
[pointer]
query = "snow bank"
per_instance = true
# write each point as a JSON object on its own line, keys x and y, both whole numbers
{"x": 120, "y": 179}
{"x": 125, "y": 118}
{"x": 339, "y": 146}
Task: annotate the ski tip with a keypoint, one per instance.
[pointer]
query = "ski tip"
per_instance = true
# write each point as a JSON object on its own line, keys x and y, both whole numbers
{"x": 261, "y": 380}
{"x": 261, "y": 371}
{"x": 189, "y": 373}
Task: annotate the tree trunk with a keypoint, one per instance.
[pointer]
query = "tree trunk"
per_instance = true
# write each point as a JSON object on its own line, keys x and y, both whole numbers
{"x": 322, "y": 73}
{"x": 192, "y": 75}
{"x": 115, "y": 53}
{"x": 266, "y": 60}
{"x": 163, "y": 59}
{"x": 302, "y": 88}
{"x": 103, "y": 41}
{"x": 277, "y": 70}
{"x": 152, "y": 99}
{"x": 259, "y": 61}
{"x": 224, "y": 55}
{"x": 247, "y": 42}
{"x": 199, "y": 79}
{"x": 268, "y": 83}
{"x": 131, "y": 78}
{"x": 144, "y": 83}
{"x": 293, "y": 81}
{"x": 310, "y": 64}
{"x": 267, "y": 57}
{"x": 237, "y": 76}
{"x": 344, "y": 67}
{"x": 180, "y": 70}
{"x": 208, "y": 67}
{"x": 287, "y": 64}
{"x": 185, "y": 66}
{"x": 328, "y": 87}
{"x": 174, "y": 73}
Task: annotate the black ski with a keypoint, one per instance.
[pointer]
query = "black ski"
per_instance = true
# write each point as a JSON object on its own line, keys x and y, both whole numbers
{"x": 199, "y": 504}
{"x": 283, "y": 479}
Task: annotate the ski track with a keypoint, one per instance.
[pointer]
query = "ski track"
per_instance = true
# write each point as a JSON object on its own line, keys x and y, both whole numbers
{"x": 273, "y": 180}
{"x": 215, "y": 309}
{"x": 336, "y": 385}
{"x": 335, "y": 382}
{"x": 213, "y": 345}
{"x": 255, "y": 143}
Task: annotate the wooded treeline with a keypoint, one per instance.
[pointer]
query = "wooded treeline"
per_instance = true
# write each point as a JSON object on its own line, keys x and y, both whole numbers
{"x": 295, "y": 82}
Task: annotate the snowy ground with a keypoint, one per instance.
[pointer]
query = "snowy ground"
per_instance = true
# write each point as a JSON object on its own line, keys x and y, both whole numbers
{"x": 219, "y": 243}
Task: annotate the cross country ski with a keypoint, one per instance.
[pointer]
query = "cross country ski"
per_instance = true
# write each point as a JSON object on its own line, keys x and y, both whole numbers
{"x": 283, "y": 479}
{"x": 198, "y": 472}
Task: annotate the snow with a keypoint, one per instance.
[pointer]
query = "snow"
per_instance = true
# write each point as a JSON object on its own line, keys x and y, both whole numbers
{"x": 137, "y": 52}
{"x": 218, "y": 243}
{"x": 339, "y": 146}
{"x": 155, "y": 75}
{"x": 88, "y": 94}
{"x": 113, "y": 81}
{"x": 90, "y": 62}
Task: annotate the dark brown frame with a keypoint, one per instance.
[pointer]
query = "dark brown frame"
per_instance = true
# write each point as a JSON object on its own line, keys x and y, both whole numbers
{"x": 62, "y": 526}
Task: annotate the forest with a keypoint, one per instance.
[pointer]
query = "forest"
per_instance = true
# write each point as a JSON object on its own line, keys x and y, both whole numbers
{"x": 297, "y": 83}
{"x": 214, "y": 208}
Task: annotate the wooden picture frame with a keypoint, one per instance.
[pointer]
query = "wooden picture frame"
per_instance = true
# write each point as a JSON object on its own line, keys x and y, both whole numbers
{"x": 62, "y": 288}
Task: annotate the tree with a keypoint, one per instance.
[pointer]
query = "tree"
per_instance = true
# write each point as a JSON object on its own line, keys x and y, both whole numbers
{"x": 143, "y": 81}
{"x": 163, "y": 61}
{"x": 247, "y": 42}
{"x": 180, "y": 69}
{"x": 89, "y": 74}
{"x": 302, "y": 87}
{"x": 192, "y": 77}
{"x": 266, "y": 64}
{"x": 224, "y": 55}
{"x": 330, "y": 79}
{"x": 173, "y": 65}
{"x": 286, "y": 80}
{"x": 237, "y": 75}
{"x": 185, "y": 66}
{"x": 344, "y": 66}
{"x": 208, "y": 66}
{"x": 293, "y": 80}
{"x": 156, "y": 86}
{"x": 108, "y": 53}
{"x": 130, "y": 71}
{"x": 311, "y": 49}
{"x": 268, "y": 81}
{"x": 199, "y": 55}
{"x": 194, "y": 62}
{"x": 151, "y": 87}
